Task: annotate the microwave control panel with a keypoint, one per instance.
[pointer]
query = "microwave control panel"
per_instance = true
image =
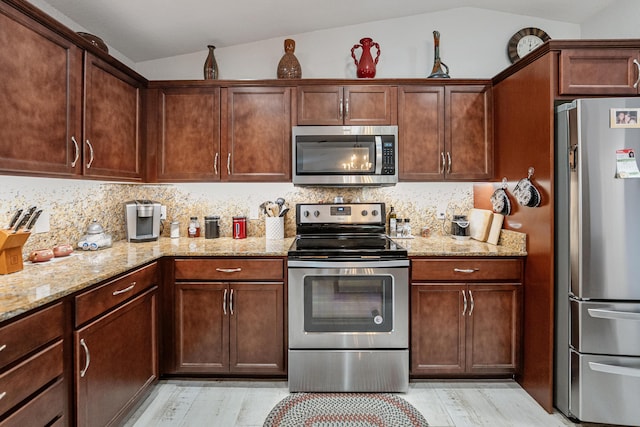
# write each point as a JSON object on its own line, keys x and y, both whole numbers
{"x": 388, "y": 158}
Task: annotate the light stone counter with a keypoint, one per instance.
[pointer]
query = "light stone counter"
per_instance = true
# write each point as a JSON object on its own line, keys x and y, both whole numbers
{"x": 510, "y": 244}
{"x": 41, "y": 283}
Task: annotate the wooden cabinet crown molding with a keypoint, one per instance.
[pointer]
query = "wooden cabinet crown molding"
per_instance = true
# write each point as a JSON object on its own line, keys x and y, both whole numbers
{"x": 164, "y": 84}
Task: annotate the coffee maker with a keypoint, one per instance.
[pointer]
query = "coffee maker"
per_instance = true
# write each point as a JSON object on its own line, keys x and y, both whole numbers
{"x": 142, "y": 220}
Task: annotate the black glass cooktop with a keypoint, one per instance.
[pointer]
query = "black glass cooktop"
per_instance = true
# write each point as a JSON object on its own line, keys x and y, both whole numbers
{"x": 346, "y": 245}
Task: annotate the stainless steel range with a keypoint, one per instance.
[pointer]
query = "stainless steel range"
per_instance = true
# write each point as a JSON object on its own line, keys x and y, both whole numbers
{"x": 348, "y": 301}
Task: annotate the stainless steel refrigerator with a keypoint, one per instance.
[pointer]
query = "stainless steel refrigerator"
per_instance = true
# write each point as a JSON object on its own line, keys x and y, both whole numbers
{"x": 597, "y": 232}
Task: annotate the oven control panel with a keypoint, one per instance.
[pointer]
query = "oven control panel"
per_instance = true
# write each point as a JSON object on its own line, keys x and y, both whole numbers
{"x": 341, "y": 213}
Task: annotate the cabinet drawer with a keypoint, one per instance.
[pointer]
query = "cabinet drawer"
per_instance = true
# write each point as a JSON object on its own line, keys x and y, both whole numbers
{"x": 27, "y": 334}
{"x": 29, "y": 376}
{"x": 465, "y": 270}
{"x": 229, "y": 269}
{"x": 41, "y": 410}
{"x": 96, "y": 301}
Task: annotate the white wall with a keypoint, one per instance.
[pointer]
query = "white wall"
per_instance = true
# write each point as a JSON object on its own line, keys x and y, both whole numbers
{"x": 618, "y": 22}
{"x": 473, "y": 44}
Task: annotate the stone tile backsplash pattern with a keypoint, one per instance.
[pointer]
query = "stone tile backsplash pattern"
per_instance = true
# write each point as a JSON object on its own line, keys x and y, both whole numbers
{"x": 72, "y": 204}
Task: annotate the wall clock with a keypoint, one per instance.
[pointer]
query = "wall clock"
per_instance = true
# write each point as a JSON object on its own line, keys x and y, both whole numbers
{"x": 524, "y": 41}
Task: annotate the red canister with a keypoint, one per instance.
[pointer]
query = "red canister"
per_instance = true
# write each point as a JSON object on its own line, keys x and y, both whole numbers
{"x": 239, "y": 227}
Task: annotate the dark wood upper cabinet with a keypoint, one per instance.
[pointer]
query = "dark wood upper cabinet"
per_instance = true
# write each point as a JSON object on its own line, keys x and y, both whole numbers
{"x": 112, "y": 122}
{"x": 189, "y": 134}
{"x": 358, "y": 105}
{"x": 599, "y": 72}
{"x": 445, "y": 133}
{"x": 41, "y": 98}
{"x": 256, "y": 134}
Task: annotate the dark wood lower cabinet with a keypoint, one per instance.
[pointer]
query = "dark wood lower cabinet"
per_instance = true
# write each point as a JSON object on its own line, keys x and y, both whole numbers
{"x": 116, "y": 360}
{"x": 462, "y": 329}
{"x": 229, "y": 328}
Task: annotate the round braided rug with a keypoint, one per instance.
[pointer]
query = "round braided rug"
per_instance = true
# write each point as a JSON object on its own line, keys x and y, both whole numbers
{"x": 344, "y": 410}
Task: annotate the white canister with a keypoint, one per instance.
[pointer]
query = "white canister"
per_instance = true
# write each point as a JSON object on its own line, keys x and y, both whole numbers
{"x": 175, "y": 230}
{"x": 274, "y": 227}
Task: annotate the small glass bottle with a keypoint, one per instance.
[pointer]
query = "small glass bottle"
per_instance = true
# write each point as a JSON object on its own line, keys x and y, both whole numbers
{"x": 392, "y": 222}
{"x": 399, "y": 227}
{"x": 194, "y": 227}
{"x": 406, "y": 228}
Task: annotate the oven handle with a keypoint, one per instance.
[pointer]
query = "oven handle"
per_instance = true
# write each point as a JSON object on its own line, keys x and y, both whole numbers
{"x": 333, "y": 264}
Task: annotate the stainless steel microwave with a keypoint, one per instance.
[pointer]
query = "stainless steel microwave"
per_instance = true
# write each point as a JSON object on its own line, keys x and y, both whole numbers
{"x": 345, "y": 155}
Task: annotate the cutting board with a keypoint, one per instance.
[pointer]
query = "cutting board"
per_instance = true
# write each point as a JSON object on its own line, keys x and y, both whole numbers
{"x": 480, "y": 223}
{"x": 496, "y": 226}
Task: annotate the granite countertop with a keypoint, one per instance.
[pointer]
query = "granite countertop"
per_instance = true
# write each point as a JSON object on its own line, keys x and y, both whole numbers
{"x": 40, "y": 283}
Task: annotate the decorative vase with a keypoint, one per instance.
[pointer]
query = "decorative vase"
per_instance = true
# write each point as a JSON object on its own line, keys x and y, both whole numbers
{"x": 210, "y": 65}
{"x": 289, "y": 66}
{"x": 366, "y": 65}
{"x": 437, "y": 70}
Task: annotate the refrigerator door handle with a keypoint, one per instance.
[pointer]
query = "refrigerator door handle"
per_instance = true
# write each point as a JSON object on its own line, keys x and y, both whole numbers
{"x": 613, "y": 369}
{"x": 613, "y": 315}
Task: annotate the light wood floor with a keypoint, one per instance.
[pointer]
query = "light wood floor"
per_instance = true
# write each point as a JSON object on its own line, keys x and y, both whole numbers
{"x": 443, "y": 403}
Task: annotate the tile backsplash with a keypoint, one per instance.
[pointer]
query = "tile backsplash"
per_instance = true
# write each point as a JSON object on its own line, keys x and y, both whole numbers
{"x": 72, "y": 204}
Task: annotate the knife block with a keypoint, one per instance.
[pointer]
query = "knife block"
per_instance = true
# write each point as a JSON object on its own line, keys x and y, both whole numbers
{"x": 11, "y": 250}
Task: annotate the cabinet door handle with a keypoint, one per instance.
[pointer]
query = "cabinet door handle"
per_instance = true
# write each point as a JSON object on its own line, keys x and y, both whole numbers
{"x": 231, "y": 302}
{"x": 77, "y": 151}
{"x": 3, "y": 347}
{"x": 346, "y": 107}
{"x": 448, "y": 162}
{"x": 635, "y": 85}
{"x": 224, "y": 302}
{"x": 464, "y": 302}
{"x": 229, "y": 164}
{"x": 473, "y": 303}
{"x": 340, "y": 109}
{"x": 122, "y": 291}
{"x": 465, "y": 270}
{"x": 2, "y": 395}
{"x": 90, "y": 154}
{"x": 442, "y": 162}
{"x": 215, "y": 163}
{"x": 87, "y": 359}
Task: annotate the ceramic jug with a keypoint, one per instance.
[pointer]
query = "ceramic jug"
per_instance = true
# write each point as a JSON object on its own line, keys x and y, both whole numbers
{"x": 366, "y": 65}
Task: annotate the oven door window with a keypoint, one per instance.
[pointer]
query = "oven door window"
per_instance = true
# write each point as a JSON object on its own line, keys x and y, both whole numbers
{"x": 336, "y": 155}
{"x": 348, "y": 303}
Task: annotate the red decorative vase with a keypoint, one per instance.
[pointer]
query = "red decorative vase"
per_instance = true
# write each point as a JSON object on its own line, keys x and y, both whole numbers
{"x": 366, "y": 65}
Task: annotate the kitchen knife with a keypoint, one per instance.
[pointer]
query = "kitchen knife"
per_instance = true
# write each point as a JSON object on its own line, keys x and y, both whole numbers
{"x": 24, "y": 219}
{"x": 14, "y": 219}
{"x": 32, "y": 221}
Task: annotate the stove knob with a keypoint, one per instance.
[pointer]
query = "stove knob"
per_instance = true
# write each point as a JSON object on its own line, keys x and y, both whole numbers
{"x": 364, "y": 213}
{"x": 374, "y": 212}
{"x": 306, "y": 214}
{"x": 316, "y": 213}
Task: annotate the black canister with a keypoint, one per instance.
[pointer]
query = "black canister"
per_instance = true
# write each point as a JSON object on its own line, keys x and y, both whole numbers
{"x": 460, "y": 226}
{"x": 211, "y": 227}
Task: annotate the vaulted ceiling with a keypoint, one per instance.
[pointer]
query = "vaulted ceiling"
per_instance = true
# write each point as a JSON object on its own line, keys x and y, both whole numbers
{"x": 150, "y": 29}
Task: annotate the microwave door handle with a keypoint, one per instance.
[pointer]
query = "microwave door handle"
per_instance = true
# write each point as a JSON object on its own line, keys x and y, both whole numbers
{"x": 378, "y": 140}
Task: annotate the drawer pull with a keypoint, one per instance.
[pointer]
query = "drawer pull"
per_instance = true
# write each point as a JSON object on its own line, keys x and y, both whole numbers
{"x": 229, "y": 270}
{"x": 465, "y": 270}
{"x": 87, "y": 359}
{"x": 616, "y": 370}
{"x": 127, "y": 289}
{"x": 613, "y": 315}
{"x": 2, "y": 395}
{"x": 3, "y": 347}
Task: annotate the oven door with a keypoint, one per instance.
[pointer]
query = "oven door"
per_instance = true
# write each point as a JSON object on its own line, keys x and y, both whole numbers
{"x": 348, "y": 305}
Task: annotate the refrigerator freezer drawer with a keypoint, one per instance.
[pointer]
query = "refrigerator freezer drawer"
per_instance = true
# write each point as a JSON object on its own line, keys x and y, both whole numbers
{"x": 604, "y": 389}
{"x": 605, "y": 328}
